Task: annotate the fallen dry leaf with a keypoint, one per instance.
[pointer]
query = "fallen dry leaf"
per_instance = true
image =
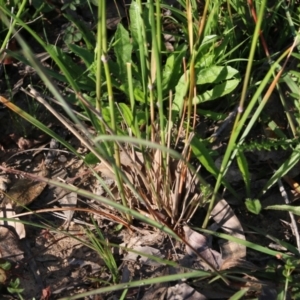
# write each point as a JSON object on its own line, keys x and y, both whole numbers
{"x": 226, "y": 219}
{"x": 9, "y": 245}
{"x": 25, "y": 191}
{"x": 200, "y": 243}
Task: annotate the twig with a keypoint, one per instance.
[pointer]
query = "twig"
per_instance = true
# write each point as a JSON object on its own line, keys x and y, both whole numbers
{"x": 293, "y": 221}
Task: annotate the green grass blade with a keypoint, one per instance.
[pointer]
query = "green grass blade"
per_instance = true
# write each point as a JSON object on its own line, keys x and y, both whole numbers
{"x": 248, "y": 244}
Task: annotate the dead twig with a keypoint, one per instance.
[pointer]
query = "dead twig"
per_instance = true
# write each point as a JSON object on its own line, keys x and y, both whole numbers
{"x": 293, "y": 221}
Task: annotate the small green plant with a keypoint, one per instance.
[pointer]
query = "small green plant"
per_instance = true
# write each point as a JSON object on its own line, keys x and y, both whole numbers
{"x": 14, "y": 288}
{"x": 253, "y": 205}
{"x": 72, "y": 35}
{"x": 4, "y": 269}
{"x": 102, "y": 247}
{"x": 71, "y": 5}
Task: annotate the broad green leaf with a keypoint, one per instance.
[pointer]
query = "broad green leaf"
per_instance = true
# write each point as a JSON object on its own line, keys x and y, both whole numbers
{"x": 180, "y": 93}
{"x": 208, "y": 39}
{"x": 206, "y": 60}
{"x": 218, "y": 91}
{"x": 139, "y": 42}
{"x": 107, "y": 117}
{"x": 293, "y": 209}
{"x": 222, "y": 49}
{"x": 91, "y": 159}
{"x": 215, "y": 74}
{"x": 253, "y": 205}
{"x": 135, "y": 23}
{"x": 5, "y": 266}
{"x": 167, "y": 71}
{"x": 138, "y": 94}
{"x": 141, "y": 117}
{"x": 128, "y": 117}
{"x": 123, "y": 50}
{"x": 172, "y": 70}
{"x": 205, "y": 56}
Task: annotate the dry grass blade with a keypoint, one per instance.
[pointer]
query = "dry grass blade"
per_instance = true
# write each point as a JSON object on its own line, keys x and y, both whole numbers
{"x": 71, "y": 127}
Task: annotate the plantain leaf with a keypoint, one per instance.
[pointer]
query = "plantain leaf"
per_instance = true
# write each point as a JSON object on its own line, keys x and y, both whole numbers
{"x": 172, "y": 70}
{"x": 128, "y": 117}
{"x": 215, "y": 74}
{"x": 180, "y": 93}
{"x": 135, "y": 23}
{"x": 123, "y": 49}
{"x": 217, "y": 91}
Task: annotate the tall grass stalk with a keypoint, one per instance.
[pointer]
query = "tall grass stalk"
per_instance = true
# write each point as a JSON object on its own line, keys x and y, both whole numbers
{"x": 133, "y": 103}
{"x": 101, "y": 38}
{"x": 12, "y": 25}
{"x": 156, "y": 63}
{"x": 235, "y": 132}
{"x": 143, "y": 57}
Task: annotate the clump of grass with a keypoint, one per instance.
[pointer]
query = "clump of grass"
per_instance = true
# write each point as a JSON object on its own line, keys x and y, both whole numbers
{"x": 161, "y": 97}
